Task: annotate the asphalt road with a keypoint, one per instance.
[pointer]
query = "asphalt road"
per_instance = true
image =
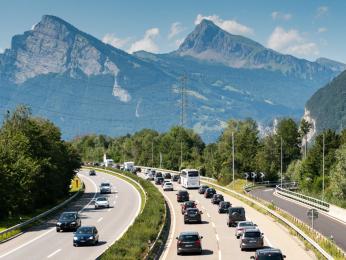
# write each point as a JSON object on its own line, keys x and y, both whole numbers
{"x": 43, "y": 242}
{"x": 219, "y": 241}
{"x": 324, "y": 224}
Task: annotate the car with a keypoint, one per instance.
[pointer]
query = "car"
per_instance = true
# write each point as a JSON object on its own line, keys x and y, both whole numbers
{"x": 268, "y": 253}
{"x": 175, "y": 177}
{"x": 209, "y": 193}
{"x": 189, "y": 242}
{"x": 147, "y": 171}
{"x": 188, "y": 204}
{"x": 92, "y": 172}
{"x": 182, "y": 196}
{"x": 158, "y": 180}
{"x": 193, "y": 215}
{"x": 251, "y": 239}
{"x": 235, "y": 214}
{"x": 101, "y": 202}
{"x": 168, "y": 186}
{"x": 243, "y": 226}
{"x": 105, "y": 187}
{"x": 202, "y": 189}
{"x": 158, "y": 174}
{"x": 68, "y": 221}
{"x": 217, "y": 198}
{"x": 164, "y": 181}
{"x": 86, "y": 235}
{"x": 224, "y": 206}
{"x": 167, "y": 175}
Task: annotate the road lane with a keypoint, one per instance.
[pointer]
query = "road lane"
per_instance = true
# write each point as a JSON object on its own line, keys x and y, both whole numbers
{"x": 43, "y": 242}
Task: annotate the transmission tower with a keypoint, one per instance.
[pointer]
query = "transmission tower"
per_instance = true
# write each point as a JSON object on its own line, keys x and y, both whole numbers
{"x": 183, "y": 117}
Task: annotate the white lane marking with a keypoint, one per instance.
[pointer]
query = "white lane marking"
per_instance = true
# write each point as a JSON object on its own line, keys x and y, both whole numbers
{"x": 219, "y": 254}
{"x": 203, "y": 207}
{"x": 52, "y": 229}
{"x": 170, "y": 240}
{"x": 268, "y": 242}
{"x": 109, "y": 209}
{"x": 94, "y": 193}
{"x": 217, "y": 237}
{"x": 208, "y": 215}
{"x": 54, "y": 253}
{"x": 197, "y": 201}
{"x": 213, "y": 224}
{"x": 100, "y": 219}
{"x": 266, "y": 190}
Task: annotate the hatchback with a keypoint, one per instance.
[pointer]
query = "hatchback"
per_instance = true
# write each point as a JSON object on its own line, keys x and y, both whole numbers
{"x": 187, "y": 204}
{"x": 192, "y": 215}
{"x": 87, "y": 235}
{"x": 217, "y": 198}
{"x": 182, "y": 196}
{"x": 209, "y": 193}
{"x": 242, "y": 226}
{"x": 224, "y": 206}
{"x": 202, "y": 189}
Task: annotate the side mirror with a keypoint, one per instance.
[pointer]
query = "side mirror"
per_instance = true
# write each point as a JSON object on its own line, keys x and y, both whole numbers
{"x": 201, "y": 237}
{"x": 284, "y": 256}
{"x": 201, "y": 212}
{"x": 176, "y": 238}
{"x": 252, "y": 257}
{"x": 262, "y": 234}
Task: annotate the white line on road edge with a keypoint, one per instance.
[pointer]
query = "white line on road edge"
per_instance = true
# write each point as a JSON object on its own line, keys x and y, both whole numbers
{"x": 217, "y": 237}
{"x": 219, "y": 254}
{"x": 54, "y": 253}
{"x": 268, "y": 242}
{"x": 94, "y": 193}
{"x": 50, "y": 230}
{"x": 208, "y": 215}
{"x": 100, "y": 219}
{"x": 213, "y": 224}
{"x": 170, "y": 239}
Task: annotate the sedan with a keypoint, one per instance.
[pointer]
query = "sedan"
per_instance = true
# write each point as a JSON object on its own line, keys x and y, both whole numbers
{"x": 168, "y": 186}
{"x": 202, "y": 189}
{"x": 242, "y": 226}
{"x": 217, "y": 198}
{"x": 87, "y": 235}
{"x": 101, "y": 202}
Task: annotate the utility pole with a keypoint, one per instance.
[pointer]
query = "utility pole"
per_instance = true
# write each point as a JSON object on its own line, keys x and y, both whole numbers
{"x": 182, "y": 114}
{"x": 233, "y": 159}
{"x": 281, "y": 161}
{"x": 323, "y": 152}
{"x": 152, "y": 153}
{"x": 160, "y": 160}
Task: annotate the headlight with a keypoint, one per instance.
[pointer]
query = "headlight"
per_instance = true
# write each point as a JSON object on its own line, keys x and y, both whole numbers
{"x": 75, "y": 238}
{"x": 58, "y": 223}
{"x": 91, "y": 237}
{"x": 73, "y": 223}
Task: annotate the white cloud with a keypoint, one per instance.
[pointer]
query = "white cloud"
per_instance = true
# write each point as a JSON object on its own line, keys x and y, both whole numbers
{"x": 276, "y": 15}
{"x": 292, "y": 42}
{"x": 147, "y": 43}
{"x": 176, "y": 28}
{"x": 231, "y": 26}
{"x": 322, "y": 30}
{"x": 321, "y": 11}
{"x": 2, "y": 50}
{"x": 111, "y": 39}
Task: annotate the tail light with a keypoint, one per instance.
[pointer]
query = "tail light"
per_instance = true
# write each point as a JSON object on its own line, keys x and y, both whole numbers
{"x": 198, "y": 242}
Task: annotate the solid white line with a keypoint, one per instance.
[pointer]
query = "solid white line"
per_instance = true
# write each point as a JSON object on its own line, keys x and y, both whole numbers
{"x": 54, "y": 253}
{"x": 217, "y": 237}
{"x": 208, "y": 215}
{"x": 219, "y": 254}
{"x": 50, "y": 230}
{"x": 268, "y": 242}
{"x": 213, "y": 224}
{"x": 94, "y": 193}
{"x": 170, "y": 239}
{"x": 100, "y": 219}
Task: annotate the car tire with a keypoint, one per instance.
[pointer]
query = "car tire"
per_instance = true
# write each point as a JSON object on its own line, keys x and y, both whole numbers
{"x": 238, "y": 237}
{"x": 229, "y": 224}
{"x": 58, "y": 230}
{"x": 75, "y": 245}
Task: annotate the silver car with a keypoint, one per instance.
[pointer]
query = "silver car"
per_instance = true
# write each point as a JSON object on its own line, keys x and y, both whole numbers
{"x": 105, "y": 187}
{"x": 101, "y": 202}
{"x": 242, "y": 226}
{"x": 251, "y": 239}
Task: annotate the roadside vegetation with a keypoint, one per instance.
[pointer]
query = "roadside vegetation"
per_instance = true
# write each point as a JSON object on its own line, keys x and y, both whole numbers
{"x": 36, "y": 166}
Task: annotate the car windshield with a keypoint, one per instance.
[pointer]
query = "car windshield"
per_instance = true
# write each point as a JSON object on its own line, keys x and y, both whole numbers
{"x": 233, "y": 210}
{"x": 246, "y": 224}
{"x": 101, "y": 199}
{"x": 189, "y": 237}
{"x": 168, "y": 184}
{"x": 253, "y": 234}
{"x": 105, "y": 184}
{"x": 192, "y": 211}
{"x": 270, "y": 256}
{"x": 193, "y": 174}
{"x": 84, "y": 230}
{"x": 190, "y": 204}
{"x": 67, "y": 216}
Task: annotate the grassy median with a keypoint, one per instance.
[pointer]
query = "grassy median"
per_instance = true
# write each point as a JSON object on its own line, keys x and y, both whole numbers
{"x": 139, "y": 237}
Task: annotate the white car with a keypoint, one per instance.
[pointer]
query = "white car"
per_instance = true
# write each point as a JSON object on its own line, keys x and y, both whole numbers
{"x": 168, "y": 186}
{"x": 149, "y": 177}
{"x": 101, "y": 202}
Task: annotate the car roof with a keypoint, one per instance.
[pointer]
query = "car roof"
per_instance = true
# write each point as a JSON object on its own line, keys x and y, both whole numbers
{"x": 189, "y": 233}
{"x": 267, "y": 250}
{"x": 70, "y": 212}
{"x": 252, "y": 230}
{"x": 87, "y": 227}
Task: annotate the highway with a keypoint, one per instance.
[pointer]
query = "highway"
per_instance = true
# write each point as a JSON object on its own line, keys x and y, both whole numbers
{"x": 43, "y": 242}
{"x": 219, "y": 241}
{"x": 324, "y": 224}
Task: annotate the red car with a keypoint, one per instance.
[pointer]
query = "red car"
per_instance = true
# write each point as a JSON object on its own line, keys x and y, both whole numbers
{"x": 187, "y": 205}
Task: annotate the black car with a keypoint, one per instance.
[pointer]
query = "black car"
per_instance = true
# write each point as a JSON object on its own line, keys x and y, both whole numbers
{"x": 175, "y": 177}
{"x": 167, "y": 175}
{"x": 92, "y": 173}
{"x": 217, "y": 198}
{"x": 182, "y": 196}
{"x": 235, "y": 214}
{"x": 224, "y": 206}
{"x": 159, "y": 180}
{"x": 188, "y": 204}
{"x": 192, "y": 215}
{"x": 209, "y": 193}
{"x": 202, "y": 189}
{"x": 268, "y": 253}
{"x": 189, "y": 242}
{"x": 158, "y": 174}
{"x": 68, "y": 221}
{"x": 87, "y": 235}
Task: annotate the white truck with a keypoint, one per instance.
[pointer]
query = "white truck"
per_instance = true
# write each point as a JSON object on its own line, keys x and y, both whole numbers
{"x": 128, "y": 166}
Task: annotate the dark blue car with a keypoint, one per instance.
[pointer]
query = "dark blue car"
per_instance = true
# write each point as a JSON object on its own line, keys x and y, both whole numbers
{"x": 87, "y": 235}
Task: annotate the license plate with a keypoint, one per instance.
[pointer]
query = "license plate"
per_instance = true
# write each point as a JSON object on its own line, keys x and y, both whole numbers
{"x": 252, "y": 241}
{"x": 82, "y": 241}
{"x": 188, "y": 245}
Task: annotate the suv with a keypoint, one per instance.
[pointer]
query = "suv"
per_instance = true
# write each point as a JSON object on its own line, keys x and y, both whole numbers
{"x": 186, "y": 205}
{"x": 182, "y": 196}
{"x": 235, "y": 214}
{"x": 242, "y": 226}
{"x": 217, "y": 198}
{"x": 167, "y": 175}
{"x": 105, "y": 187}
{"x": 158, "y": 180}
{"x": 209, "y": 193}
{"x": 192, "y": 215}
{"x": 68, "y": 221}
{"x": 158, "y": 174}
{"x": 224, "y": 206}
{"x": 189, "y": 242}
{"x": 268, "y": 253}
{"x": 202, "y": 189}
{"x": 92, "y": 173}
{"x": 251, "y": 239}
{"x": 175, "y": 177}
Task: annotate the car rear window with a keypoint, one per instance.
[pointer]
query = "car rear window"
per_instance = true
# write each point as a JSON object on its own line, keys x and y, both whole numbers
{"x": 271, "y": 256}
{"x": 105, "y": 184}
{"x": 189, "y": 237}
{"x": 190, "y": 204}
{"x": 252, "y": 234}
{"x": 246, "y": 224}
{"x": 238, "y": 210}
{"x": 182, "y": 192}
{"x": 84, "y": 230}
{"x": 192, "y": 211}
{"x": 101, "y": 199}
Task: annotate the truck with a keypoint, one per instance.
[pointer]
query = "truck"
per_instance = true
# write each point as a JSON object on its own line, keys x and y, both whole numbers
{"x": 128, "y": 166}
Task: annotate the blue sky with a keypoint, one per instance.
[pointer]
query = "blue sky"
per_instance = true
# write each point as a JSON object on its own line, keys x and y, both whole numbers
{"x": 307, "y": 29}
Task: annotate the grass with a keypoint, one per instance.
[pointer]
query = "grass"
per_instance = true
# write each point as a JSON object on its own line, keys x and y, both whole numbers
{"x": 138, "y": 239}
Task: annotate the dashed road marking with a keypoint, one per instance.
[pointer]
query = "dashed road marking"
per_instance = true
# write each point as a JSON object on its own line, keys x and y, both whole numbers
{"x": 54, "y": 253}
{"x": 217, "y": 237}
{"x": 213, "y": 224}
{"x": 208, "y": 215}
{"x": 100, "y": 219}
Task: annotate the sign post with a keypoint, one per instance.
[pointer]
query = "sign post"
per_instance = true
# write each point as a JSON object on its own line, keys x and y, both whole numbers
{"x": 246, "y": 176}
{"x": 313, "y": 215}
{"x": 262, "y": 175}
{"x": 253, "y": 175}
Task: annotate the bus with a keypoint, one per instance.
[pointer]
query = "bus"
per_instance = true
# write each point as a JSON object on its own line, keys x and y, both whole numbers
{"x": 189, "y": 178}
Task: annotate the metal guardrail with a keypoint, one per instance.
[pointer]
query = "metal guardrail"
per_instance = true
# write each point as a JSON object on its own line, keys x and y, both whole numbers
{"x": 5, "y": 232}
{"x": 319, "y": 204}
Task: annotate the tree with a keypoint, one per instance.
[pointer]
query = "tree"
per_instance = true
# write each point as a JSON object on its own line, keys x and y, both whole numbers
{"x": 304, "y": 129}
{"x": 337, "y": 187}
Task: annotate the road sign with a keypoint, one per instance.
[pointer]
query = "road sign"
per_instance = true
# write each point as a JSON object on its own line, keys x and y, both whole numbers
{"x": 262, "y": 175}
{"x": 246, "y": 175}
{"x": 312, "y": 213}
{"x": 253, "y": 175}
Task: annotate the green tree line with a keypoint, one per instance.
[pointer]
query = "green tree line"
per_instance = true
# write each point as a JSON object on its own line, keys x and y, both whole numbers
{"x": 36, "y": 165}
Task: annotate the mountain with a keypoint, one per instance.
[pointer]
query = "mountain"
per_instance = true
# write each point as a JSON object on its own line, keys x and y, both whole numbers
{"x": 331, "y": 64}
{"x": 326, "y": 109}
{"x": 87, "y": 86}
